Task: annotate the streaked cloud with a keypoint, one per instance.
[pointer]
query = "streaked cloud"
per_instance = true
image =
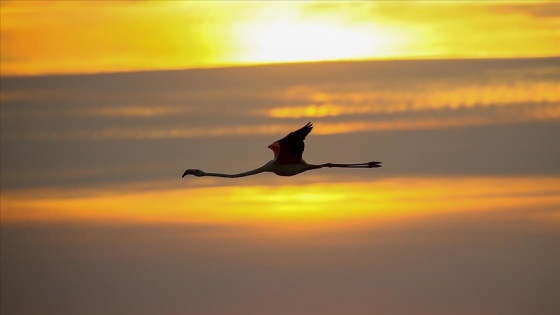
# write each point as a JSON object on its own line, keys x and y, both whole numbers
{"x": 428, "y": 120}
{"x": 373, "y": 96}
{"x": 83, "y": 130}
{"x": 361, "y": 100}
{"x": 138, "y": 111}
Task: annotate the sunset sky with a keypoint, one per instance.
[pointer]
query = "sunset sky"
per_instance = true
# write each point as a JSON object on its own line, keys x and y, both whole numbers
{"x": 41, "y": 37}
{"x": 104, "y": 104}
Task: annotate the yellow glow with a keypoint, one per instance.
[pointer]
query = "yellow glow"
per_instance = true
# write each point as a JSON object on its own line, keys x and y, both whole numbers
{"x": 312, "y": 111}
{"x": 41, "y": 37}
{"x": 287, "y": 39}
{"x": 310, "y": 205}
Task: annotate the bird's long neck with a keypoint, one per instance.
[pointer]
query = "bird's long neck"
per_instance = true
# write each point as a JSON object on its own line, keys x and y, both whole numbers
{"x": 264, "y": 168}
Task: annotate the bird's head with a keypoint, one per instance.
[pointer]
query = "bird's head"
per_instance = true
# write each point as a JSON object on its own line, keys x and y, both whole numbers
{"x": 194, "y": 172}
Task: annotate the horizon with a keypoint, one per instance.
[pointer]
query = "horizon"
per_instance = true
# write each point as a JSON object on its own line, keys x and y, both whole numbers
{"x": 283, "y": 63}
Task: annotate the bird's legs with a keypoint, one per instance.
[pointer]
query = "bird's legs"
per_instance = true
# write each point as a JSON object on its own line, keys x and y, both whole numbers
{"x": 355, "y": 165}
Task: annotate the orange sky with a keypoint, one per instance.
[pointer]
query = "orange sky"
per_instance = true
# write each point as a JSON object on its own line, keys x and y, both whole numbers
{"x": 288, "y": 206}
{"x": 83, "y": 37}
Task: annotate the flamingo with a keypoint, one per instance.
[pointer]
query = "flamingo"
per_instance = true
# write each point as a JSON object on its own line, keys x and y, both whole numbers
{"x": 288, "y": 161}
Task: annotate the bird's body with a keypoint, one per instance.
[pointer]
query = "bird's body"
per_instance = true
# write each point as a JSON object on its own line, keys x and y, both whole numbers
{"x": 288, "y": 159}
{"x": 290, "y": 169}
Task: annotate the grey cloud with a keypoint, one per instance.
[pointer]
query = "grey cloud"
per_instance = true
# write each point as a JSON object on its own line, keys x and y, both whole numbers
{"x": 53, "y": 134}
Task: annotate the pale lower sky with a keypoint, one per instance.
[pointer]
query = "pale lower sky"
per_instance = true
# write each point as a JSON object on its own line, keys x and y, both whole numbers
{"x": 41, "y": 37}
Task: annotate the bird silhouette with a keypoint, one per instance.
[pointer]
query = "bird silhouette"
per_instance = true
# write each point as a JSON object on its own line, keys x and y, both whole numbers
{"x": 288, "y": 159}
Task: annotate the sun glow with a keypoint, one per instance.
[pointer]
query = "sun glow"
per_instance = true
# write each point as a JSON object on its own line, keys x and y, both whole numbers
{"x": 290, "y": 40}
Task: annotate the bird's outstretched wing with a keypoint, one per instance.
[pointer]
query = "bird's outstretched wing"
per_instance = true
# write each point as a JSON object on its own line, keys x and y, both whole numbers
{"x": 294, "y": 141}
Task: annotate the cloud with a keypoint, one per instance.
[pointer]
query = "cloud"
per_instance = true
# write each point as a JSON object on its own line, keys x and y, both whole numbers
{"x": 220, "y": 102}
{"x": 353, "y": 99}
{"x": 129, "y": 127}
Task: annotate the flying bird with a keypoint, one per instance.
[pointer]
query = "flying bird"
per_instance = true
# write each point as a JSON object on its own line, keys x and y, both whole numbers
{"x": 288, "y": 159}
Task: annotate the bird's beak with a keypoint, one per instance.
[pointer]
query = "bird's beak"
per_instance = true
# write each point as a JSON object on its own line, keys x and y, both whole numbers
{"x": 187, "y": 172}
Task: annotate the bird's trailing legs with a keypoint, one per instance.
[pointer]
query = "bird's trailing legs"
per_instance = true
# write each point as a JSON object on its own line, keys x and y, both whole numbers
{"x": 355, "y": 165}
